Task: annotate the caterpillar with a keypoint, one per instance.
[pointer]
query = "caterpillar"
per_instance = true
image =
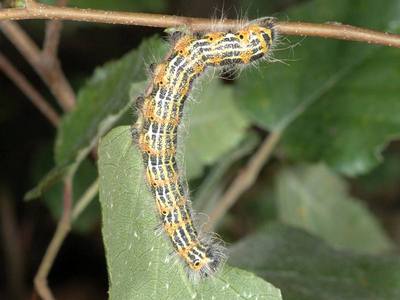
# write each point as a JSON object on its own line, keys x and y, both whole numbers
{"x": 160, "y": 111}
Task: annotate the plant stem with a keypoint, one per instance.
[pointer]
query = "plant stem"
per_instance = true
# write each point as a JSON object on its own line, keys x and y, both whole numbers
{"x": 63, "y": 228}
{"x": 23, "y": 84}
{"x": 48, "y": 69}
{"x": 245, "y": 179}
{"x": 337, "y": 31}
{"x": 86, "y": 198}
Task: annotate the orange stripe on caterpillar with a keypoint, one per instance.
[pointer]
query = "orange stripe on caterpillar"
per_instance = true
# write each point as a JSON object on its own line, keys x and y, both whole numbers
{"x": 164, "y": 209}
{"x": 154, "y": 182}
{"x": 170, "y": 229}
{"x": 181, "y": 46}
{"x": 149, "y": 113}
{"x": 145, "y": 147}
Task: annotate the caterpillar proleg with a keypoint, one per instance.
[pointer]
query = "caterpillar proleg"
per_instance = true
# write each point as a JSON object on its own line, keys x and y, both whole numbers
{"x": 156, "y": 130}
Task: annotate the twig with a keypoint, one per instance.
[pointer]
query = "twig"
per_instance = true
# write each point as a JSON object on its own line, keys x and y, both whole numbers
{"x": 245, "y": 179}
{"x": 51, "y": 73}
{"x": 336, "y": 31}
{"x": 69, "y": 215}
{"x": 64, "y": 226}
{"x": 52, "y": 35}
{"x": 29, "y": 91}
{"x": 86, "y": 198}
{"x": 51, "y": 39}
{"x": 340, "y": 32}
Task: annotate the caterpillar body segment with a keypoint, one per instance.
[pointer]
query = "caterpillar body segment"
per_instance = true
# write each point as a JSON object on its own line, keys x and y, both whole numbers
{"x": 156, "y": 130}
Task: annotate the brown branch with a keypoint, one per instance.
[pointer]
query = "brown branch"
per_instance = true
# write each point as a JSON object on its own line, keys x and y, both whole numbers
{"x": 23, "y": 43}
{"x": 70, "y": 214}
{"x": 86, "y": 198}
{"x": 244, "y": 180}
{"x": 23, "y": 84}
{"x": 51, "y": 39}
{"x": 63, "y": 228}
{"x": 340, "y": 32}
{"x": 52, "y": 35}
{"x": 51, "y": 73}
{"x": 336, "y": 31}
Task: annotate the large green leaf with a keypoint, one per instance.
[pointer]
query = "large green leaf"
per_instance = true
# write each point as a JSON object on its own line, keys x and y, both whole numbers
{"x": 305, "y": 268}
{"x": 101, "y": 102}
{"x": 317, "y": 200}
{"x": 214, "y": 126}
{"x": 339, "y": 101}
{"x": 139, "y": 261}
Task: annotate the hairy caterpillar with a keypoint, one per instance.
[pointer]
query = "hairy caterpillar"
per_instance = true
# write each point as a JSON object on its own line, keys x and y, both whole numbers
{"x": 156, "y": 130}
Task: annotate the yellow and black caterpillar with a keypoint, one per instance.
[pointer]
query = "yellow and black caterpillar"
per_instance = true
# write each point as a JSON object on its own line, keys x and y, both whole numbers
{"x": 156, "y": 130}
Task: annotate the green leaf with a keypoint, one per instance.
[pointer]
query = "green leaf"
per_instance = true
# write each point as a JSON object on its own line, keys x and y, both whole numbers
{"x": 139, "y": 260}
{"x": 51, "y": 178}
{"x": 317, "y": 200}
{"x": 212, "y": 186}
{"x": 52, "y": 198}
{"x": 338, "y": 100}
{"x": 215, "y": 126}
{"x": 101, "y": 102}
{"x": 305, "y": 268}
{"x": 84, "y": 178}
{"x": 383, "y": 180}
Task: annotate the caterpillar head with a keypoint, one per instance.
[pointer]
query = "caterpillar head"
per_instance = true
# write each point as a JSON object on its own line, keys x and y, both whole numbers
{"x": 256, "y": 37}
{"x": 204, "y": 262}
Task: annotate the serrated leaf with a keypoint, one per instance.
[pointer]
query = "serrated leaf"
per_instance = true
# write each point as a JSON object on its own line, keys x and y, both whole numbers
{"x": 101, "y": 102}
{"x": 214, "y": 126}
{"x": 317, "y": 200}
{"x": 305, "y": 268}
{"x": 139, "y": 261}
{"x": 339, "y": 101}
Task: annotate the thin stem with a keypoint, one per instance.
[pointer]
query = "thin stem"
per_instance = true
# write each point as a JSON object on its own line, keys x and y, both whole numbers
{"x": 336, "y": 31}
{"x": 64, "y": 226}
{"x": 52, "y": 35}
{"x": 51, "y": 39}
{"x": 23, "y": 84}
{"x": 23, "y": 43}
{"x": 51, "y": 73}
{"x": 86, "y": 198}
{"x": 245, "y": 179}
